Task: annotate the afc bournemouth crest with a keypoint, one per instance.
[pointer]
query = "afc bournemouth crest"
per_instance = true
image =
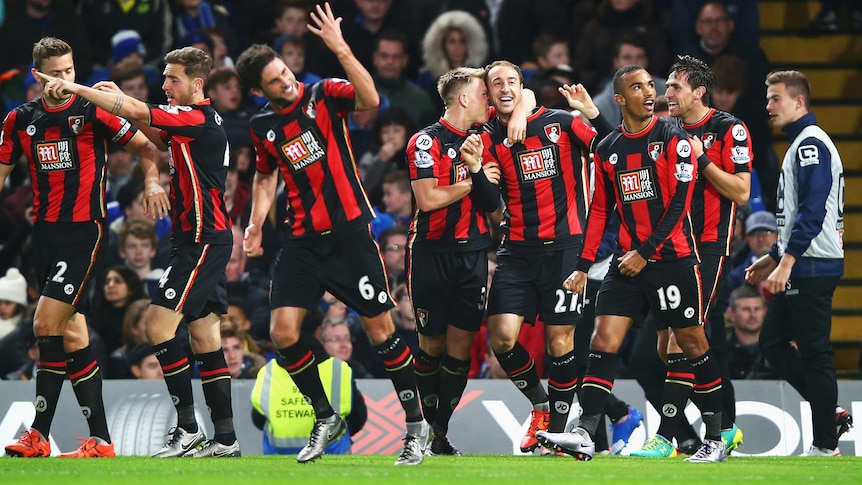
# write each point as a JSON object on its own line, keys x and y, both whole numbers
{"x": 708, "y": 140}
{"x": 76, "y": 124}
{"x": 422, "y": 315}
{"x": 553, "y": 132}
{"x": 655, "y": 148}
{"x": 310, "y": 109}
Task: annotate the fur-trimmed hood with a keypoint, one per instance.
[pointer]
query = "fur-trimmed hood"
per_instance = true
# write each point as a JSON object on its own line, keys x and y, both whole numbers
{"x": 432, "y": 44}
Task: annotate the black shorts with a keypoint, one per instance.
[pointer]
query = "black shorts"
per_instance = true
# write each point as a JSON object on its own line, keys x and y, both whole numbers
{"x": 712, "y": 273}
{"x": 67, "y": 256}
{"x": 447, "y": 289}
{"x": 194, "y": 284}
{"x": 350, "y": 267}
{"x": 671, "y": 291}
{"x": 531, "y": 283}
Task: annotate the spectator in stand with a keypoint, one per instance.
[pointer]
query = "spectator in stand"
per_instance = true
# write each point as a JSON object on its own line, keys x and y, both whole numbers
{"x": 454, "y": 39}
{"x": 746, "y": 312}
{"x": 393, "y": 247}
{"x": 549, "y": 52}
{"x": 338, "y": 341}
{"x": 390, "y": 62}
{"x": 131, "y": 79}
{"x": 225, "y": 93}
{"x": 13, "y": 301}
{"x": 397, "y": 197}
{"x": 389, "y": 136}
{"x": 193, "y": 16}
{"x": 120, "y": 287}
{"x": 362, "y": 30}
{"x": 121, "y": 166}
{"x": 138, "y": 244}
{"x": 293, "y": 50}
{"x": 630, "y": 49}
{"x": 134, "y": 333}
{"x": 26, "y": 25}
{"x": 151, "y": 19}
{"x": 240, "y": 286}
{"x": 143, "y": 363}
{"x": 237, "y": 196}
{"x": 240, "y": 352}
{"x": 126, "y": 47}
{"x": 715, "y": 28}
{"x": 614, "y": 19}
{"x": 130, "y": 200}
{"x": 744, "y": 13}
{"x": 199, "y": 40}
{"x": 761, "y": 232}
{"x": 518, "y": 22}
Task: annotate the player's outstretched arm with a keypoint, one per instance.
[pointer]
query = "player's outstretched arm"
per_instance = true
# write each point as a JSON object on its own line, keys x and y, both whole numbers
{"x": 328, "y": 28}
{"x": 112, "y": 102}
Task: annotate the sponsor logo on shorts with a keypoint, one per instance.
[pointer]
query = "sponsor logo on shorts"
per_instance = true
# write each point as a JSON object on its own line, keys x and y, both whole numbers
{"x": 689, "y": 312}
{"x": 69, "y": 289}
{"x": 422, "y": 315}
{"x": 170, "y": 294}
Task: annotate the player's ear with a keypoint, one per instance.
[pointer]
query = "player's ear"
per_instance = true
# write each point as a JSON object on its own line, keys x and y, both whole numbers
{"x": 620, "y": 99}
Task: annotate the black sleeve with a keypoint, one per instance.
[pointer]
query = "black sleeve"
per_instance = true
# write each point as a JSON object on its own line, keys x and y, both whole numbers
{"x": 358, "y": 411}
{"x": 486, "y": 194}
{"x": 603, "y": 128}
{"x": 258, "y": 419}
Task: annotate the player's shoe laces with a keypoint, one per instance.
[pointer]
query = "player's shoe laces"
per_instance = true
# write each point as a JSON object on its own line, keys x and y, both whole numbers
{"x": 622, "y": 430}
{"x": 91, "y": 448}
{"x": 656, "y": 447}
{"x": 710, "y": 451}
{"x": 539, "y": 421}
{"x": 817, "y": 451}
{"x": 325, "y": 431}
{"x": 577, "y": 443}
{"x": 440, "y": 446}
{"x": 731, "y": 438}
{"x": 843, "y": 420}
{"x": 31, "y": 444}
{"x": 415, "y": 443}
{"x": 214, "y": 449}
{"x": 180, "y": 443}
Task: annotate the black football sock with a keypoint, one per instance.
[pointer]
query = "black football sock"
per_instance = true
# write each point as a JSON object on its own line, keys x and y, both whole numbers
{"x": 597, "y": 385}
{"x": 521, "y": 369}
{"x": 707, "y": 392}
{"x": 50, "y": 374}
{"x": 427, "y": 369}
{"x": 299, "y": 362}
{"x": 398, "y": 362}
{"x": 178, "y": 377}
{"x": 562, "y": 383}
{"x": 86, "y": 381}
{"x": 215, "y": 380}
{"x": 678, "y": 384}
{"x": 453, "y": 380}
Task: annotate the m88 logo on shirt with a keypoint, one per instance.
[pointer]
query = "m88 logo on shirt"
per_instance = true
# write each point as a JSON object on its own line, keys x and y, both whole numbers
{"x": 302, "y": 151}
{"x": 637, "y": 185}
{"x": 54, "y": 156}
{"x": 538, "y": 164}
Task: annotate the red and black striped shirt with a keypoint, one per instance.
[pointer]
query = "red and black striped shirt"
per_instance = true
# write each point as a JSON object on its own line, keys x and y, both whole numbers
{"x": 434, "y": 152}
{"x": 310, "y": 142}
{"x": 66, "y": 149}
{"x": 649, "y": 177}
{"x": 727, "y": 143}
{"x": 545, "y": 180}
{"x": 199, "y": 161}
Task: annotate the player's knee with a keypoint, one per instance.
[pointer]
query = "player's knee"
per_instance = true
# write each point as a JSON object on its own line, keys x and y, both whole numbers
{"x": 558, "y": 347}
{"x": 43, "y": 326}
{"x": 501, "y": 343}
{"x": 283, "y": 335}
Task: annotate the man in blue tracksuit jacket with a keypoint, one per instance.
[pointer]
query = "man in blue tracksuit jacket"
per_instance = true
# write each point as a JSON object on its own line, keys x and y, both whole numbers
{"x": 807, "y": 261}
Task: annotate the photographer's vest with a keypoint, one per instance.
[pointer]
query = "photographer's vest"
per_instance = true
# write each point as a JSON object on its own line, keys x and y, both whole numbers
{"x": 289, "y": 418}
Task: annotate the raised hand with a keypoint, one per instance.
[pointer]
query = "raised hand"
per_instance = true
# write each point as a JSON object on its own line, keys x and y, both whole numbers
{"x": 328, "y": 28}
{"x": 578, "y": 98}
{"x": 54, "y": 87}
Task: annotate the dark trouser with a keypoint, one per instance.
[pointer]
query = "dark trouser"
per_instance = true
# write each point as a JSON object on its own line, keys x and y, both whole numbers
{"x": 803, "y": 314}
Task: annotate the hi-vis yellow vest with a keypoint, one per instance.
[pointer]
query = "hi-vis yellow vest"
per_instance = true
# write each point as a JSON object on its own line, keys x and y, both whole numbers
{"x": 289, "y": 418}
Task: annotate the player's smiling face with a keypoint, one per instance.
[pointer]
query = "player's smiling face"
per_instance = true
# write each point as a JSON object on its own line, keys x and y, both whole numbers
{"x": 638, "y": 95}
{"x": 680, "y": 97}
{"x": 278, "y": 83}
{"x": 504, "y": 88}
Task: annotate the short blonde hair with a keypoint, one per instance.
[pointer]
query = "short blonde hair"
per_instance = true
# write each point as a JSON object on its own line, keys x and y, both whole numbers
{"x": 453, "y": 83}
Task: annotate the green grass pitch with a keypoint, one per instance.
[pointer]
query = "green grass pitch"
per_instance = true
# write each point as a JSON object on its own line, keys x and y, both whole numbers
{"x": 465, "y": 470}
